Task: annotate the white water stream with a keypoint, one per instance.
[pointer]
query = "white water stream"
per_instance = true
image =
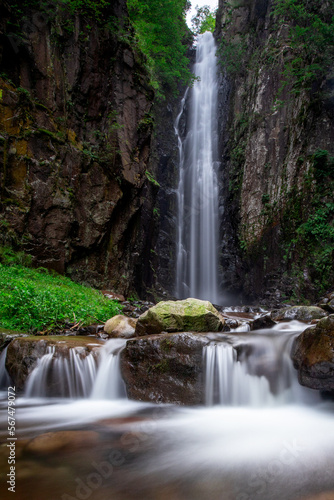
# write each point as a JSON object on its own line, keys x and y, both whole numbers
{"x": 197, "y": 245}
{"x": 77, "y": 376}
{"x": 264, "y": 438}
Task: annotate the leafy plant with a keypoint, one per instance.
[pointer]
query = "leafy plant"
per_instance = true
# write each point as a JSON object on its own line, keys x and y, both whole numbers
{"x": 162, "y": 35}
{"x": 311, "y": 41}
{"x": 231, "y": 55}
{"x": 204, "y": 20}
{"x": 151, "y": 178}
{"x": 34, "y": 299}
{"x": 9, "y": 257}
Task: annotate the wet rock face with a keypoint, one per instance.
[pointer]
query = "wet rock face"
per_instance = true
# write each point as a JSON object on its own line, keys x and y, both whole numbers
{"x": 74, "y": 147}
{"x": 165, "y": 368}
{"x": 313, "y": 356}
{"x": 266, "y": 153}
{"x": 23, "y": 353}
{"x": 182, "y": 315}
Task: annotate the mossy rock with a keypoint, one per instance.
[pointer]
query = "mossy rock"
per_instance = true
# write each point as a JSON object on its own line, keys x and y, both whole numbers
{"x": 190, "y": 315}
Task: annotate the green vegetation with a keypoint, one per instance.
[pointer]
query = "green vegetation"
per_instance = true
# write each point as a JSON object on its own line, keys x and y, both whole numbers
{"x": 163, "y": 36}
{"x": 204, "y": 20}
{"x": 232, "y": 54}
{"x": 311, "y": 41}
{"x": 96, "y": 10}
{"x": 34, "y": 299}
{"x": 9, "y": 257}
{"x": 308, "y": 230}
{"x": 157, "y": 28}
{"x": 151, "y": 178}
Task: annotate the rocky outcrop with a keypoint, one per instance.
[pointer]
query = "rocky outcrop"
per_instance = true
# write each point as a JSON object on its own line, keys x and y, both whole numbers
{"x": 120, "y": 327}
{"x": 165, "y": 368}
{"x": 262, "y": 321}
{"x": 313, "y": 356}
{"x": 300, "y": 313}
{"x": 179, "y": 316}
{"x": 24, "y": 352}
{"x": 327, "y": 303}
{"x": 275, "y": 142}
{"x": 75, "y": 132}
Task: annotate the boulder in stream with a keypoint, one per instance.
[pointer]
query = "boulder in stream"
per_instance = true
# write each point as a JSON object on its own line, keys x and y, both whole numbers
{"x": 299, "y": 313}
{"x": 120, "y": 327}
{"x": 313, "y": 355}
{"x": 165, "y": 368}
{"x": 189, "y": 315}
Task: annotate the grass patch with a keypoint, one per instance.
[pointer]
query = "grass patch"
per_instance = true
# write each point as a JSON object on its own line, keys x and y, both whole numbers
{"x": 34, "y": 299}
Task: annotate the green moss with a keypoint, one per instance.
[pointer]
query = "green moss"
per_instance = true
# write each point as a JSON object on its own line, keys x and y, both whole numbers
{"x": 162, "y": 367}
{"x": 166, "y": 345}
{"x": 58, "y": 136}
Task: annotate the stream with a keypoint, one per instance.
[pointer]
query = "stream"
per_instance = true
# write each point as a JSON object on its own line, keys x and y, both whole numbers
{"x": 260, "y": 436}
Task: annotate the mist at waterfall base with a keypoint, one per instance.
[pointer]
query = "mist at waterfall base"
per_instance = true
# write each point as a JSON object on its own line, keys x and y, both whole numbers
{"x": 261, "y": 436}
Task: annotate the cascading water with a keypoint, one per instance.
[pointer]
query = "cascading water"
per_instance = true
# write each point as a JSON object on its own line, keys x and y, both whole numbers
{"x": 4, "y": 377}
{"x": 255, "y": 371}
{"x": 109, "y": 383}
{"x": 247, "y": 443}
{"x": 197, "y": 245}
{"x": 227, "y": 380}
{"x": 77, "y": 374}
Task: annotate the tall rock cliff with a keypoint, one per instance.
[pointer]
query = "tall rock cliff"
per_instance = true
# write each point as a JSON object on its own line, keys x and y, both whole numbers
{"x": 75, "y": 134}
{"x": 277, "y": 153}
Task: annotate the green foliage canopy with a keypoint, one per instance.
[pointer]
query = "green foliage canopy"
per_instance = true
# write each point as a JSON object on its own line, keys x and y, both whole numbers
{"x": 204, "y": 20}
{"x": 162, "y": 35}
{"x": 311, "y": 40}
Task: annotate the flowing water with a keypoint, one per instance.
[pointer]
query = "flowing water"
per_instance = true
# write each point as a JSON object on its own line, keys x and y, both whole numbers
{"x": 77, "y": 375}
{"x": 260, "y": 436}
{"x": 197, "y": 247}
{"x": 4, "y": 377}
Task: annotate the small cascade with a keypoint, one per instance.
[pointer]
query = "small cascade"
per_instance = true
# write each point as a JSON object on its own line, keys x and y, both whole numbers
{"x": 254, "y": 372}
{"x": 62, "y": 376}
{"x": 109, "y": 383}
{"x": 77, "y": 375}
{"x": 5, "y": 380}
{"x": 227, "y": 380}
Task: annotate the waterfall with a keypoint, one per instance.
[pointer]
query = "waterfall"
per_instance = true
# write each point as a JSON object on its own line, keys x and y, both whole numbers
{"x": 227, "y": 380}
{"x": 5, "y": 380}
{"x": 197, "y": 244}
{"x": 255, "y": 372}
{"x": 59, "y": 375}
{"x": 109, "y": 383}
{"x": 77, "y": 374}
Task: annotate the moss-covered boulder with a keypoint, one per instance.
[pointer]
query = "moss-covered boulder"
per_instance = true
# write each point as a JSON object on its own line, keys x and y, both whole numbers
{"x": 190, "y": 315}
{"x": 300, "y": 313}
{"x": 313, "y": 355}
{"x": 120, "y": 327}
